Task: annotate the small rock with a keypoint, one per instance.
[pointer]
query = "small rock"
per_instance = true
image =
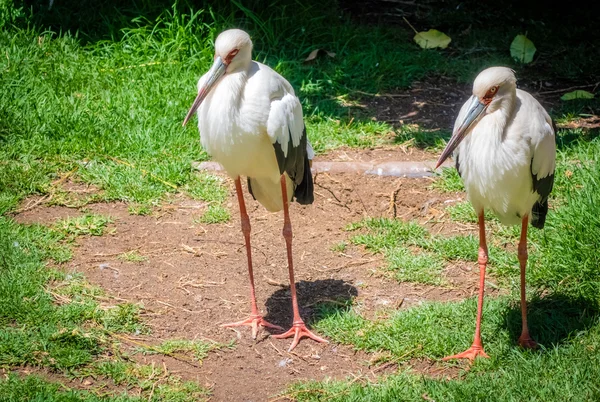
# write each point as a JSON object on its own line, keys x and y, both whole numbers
{"x": 284, "y": 362}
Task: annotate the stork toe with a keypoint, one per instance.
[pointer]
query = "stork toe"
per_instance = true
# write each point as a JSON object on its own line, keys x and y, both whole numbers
{"x": 299, "y": 331}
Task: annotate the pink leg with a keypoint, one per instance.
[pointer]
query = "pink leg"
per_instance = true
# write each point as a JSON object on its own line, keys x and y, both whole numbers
{"x": 524, "y": 340}
{"x": 477, "y": 348}
{"x": 298, "y": 329}
{"x": 255, "y": 318}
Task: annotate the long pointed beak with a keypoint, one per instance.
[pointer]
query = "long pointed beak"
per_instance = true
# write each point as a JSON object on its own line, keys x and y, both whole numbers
{"x": 216, "y": 71}
{"x": 473, "y": 112}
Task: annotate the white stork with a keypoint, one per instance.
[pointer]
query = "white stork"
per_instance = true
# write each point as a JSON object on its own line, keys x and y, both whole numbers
{"x": 251, "y": 122}
{"x": 505, "y": 156}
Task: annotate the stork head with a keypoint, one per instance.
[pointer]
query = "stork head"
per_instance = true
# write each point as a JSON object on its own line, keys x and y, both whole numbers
{"x": 493, "y": 89}
{"x": 233, "y": 53}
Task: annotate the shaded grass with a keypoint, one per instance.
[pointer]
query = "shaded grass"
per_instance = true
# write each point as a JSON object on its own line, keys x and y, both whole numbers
{"x": 105, "y": 93}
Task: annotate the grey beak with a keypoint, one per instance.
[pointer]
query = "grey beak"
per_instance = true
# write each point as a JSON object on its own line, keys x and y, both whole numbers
{"x": 216, "y": 71}
{"x": 473, "y": 112}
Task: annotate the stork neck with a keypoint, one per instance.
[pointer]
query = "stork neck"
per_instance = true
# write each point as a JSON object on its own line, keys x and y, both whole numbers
{"x": 499, "y": 118}
{"x": 232, "y": 88}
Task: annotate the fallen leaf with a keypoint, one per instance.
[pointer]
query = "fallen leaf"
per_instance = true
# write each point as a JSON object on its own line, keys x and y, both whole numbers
{"x": 578, "y": 94}
{"x": 313, "y": 55}
{"x": 432, "y": 39}
{"x": 522, "y": 49}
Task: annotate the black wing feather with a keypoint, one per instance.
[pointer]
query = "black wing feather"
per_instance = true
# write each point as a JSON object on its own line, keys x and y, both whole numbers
{"x": 458, "y": 166}
{"x": 543, "y": 187}
{"x": 296, "y": 164}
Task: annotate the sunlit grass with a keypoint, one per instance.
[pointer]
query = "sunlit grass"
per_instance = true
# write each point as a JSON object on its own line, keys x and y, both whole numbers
{"x": 100, "y": 88}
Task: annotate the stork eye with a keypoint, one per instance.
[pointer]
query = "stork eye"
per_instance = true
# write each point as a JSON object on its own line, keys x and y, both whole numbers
{"x": 231, "y": 55}
{"x": 493, "y": 90}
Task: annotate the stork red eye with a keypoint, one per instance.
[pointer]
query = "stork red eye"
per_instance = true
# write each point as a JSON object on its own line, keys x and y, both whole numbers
{"x": 490, "y": 94}
{"x": 231, "y": 55}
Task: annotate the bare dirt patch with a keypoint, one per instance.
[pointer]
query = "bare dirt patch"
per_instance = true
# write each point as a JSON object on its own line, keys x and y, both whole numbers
{"x": 193, "y": 277}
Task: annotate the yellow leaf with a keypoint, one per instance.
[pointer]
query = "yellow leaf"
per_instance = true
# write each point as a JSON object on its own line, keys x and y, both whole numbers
{"x": 432, "y": 39}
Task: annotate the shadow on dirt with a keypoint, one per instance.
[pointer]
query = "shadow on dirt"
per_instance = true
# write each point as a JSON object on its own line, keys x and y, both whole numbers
{"x": 312, "y": 296}
{"x": 553, "y": 319}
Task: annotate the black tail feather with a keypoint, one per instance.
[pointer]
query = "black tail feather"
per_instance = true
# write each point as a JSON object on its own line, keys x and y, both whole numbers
{"x": 304, "y": 191}
{"x": 538, "y": 214}
{"x": 250, "y": 189}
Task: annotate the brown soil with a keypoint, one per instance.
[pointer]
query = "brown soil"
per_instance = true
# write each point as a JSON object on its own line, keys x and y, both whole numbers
{"x": 195, "y": 276}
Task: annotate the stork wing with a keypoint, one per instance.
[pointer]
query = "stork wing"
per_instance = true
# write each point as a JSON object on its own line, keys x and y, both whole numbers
{"x": 543, "y": 164}
{"x": 285, "y": 127}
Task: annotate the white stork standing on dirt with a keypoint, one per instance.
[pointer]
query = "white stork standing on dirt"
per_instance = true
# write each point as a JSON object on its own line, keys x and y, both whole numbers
{"x": 251, "y": 122}
{"x": 506, "y": 159}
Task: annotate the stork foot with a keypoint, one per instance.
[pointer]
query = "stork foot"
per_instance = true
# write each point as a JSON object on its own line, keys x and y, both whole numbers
{"x": 254, "y": 321}
{"x": 526, "y": 342}
{"x": 471, "y": 353}
{"x": 299, "y": 331}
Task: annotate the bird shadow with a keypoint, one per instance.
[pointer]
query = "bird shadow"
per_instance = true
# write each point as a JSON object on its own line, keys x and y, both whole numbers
{"x": 316, "y": 300}
{"x": 553, "y": 319}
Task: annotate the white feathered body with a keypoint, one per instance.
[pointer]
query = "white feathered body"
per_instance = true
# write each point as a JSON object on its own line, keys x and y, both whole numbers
{"x": 497, "y": 158}
{"x": 241, "y": 118}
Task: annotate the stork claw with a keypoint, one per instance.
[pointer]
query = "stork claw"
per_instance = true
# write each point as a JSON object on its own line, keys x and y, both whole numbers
{"x": 527, "y": 343}
{"x": 471, "y": 353}
{"x": 253, "y": 321}
{"x": 298, "y": 331}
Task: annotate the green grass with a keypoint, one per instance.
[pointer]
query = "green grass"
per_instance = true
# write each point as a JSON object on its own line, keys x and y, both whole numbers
{"x": 92, "y": 225}
{"x": 132, "y": 256}
{"x": 198, "y": 349}
{"x": 98, "y": 90}
{"x": 58, "y": 321}
{"x": 414, "y": 255}
{"x": 36, "y": 327}
{"x": 564, "y": 315}
{"x": 214, "y": 214}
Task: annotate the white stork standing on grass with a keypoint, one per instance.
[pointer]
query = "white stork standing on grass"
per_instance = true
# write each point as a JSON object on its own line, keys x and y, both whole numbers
{"x": 506, "y": 159}
{"x": 251, "y": 122}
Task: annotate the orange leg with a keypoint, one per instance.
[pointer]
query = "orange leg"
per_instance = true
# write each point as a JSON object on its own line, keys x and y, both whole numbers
{"x": 524, "y": 340}
{"x": 255, "y": 320}
{"x": 298, "y": 330}
{"x": 477, "y": 348}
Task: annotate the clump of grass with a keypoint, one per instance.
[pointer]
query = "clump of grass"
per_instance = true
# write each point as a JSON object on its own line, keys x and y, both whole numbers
{"x": 45, "y": 327}
{"x": 151, "y": 381}
{"x": 414, "y": 255}
{"x": 199, "y": 349}
{"x": 132, "y": 256}
{"x": 462, "y": 212}
{"x": 339, "y": 247}
{"x": 207, "y": 187}
{"x": 414, "y": 135}
{"x": 448, "y": 181}
{"x": 89, "y": 224}
{"x": 139, "y": 209}
{"x": 215, "y": 214}
{"x": 123, "y": 317}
